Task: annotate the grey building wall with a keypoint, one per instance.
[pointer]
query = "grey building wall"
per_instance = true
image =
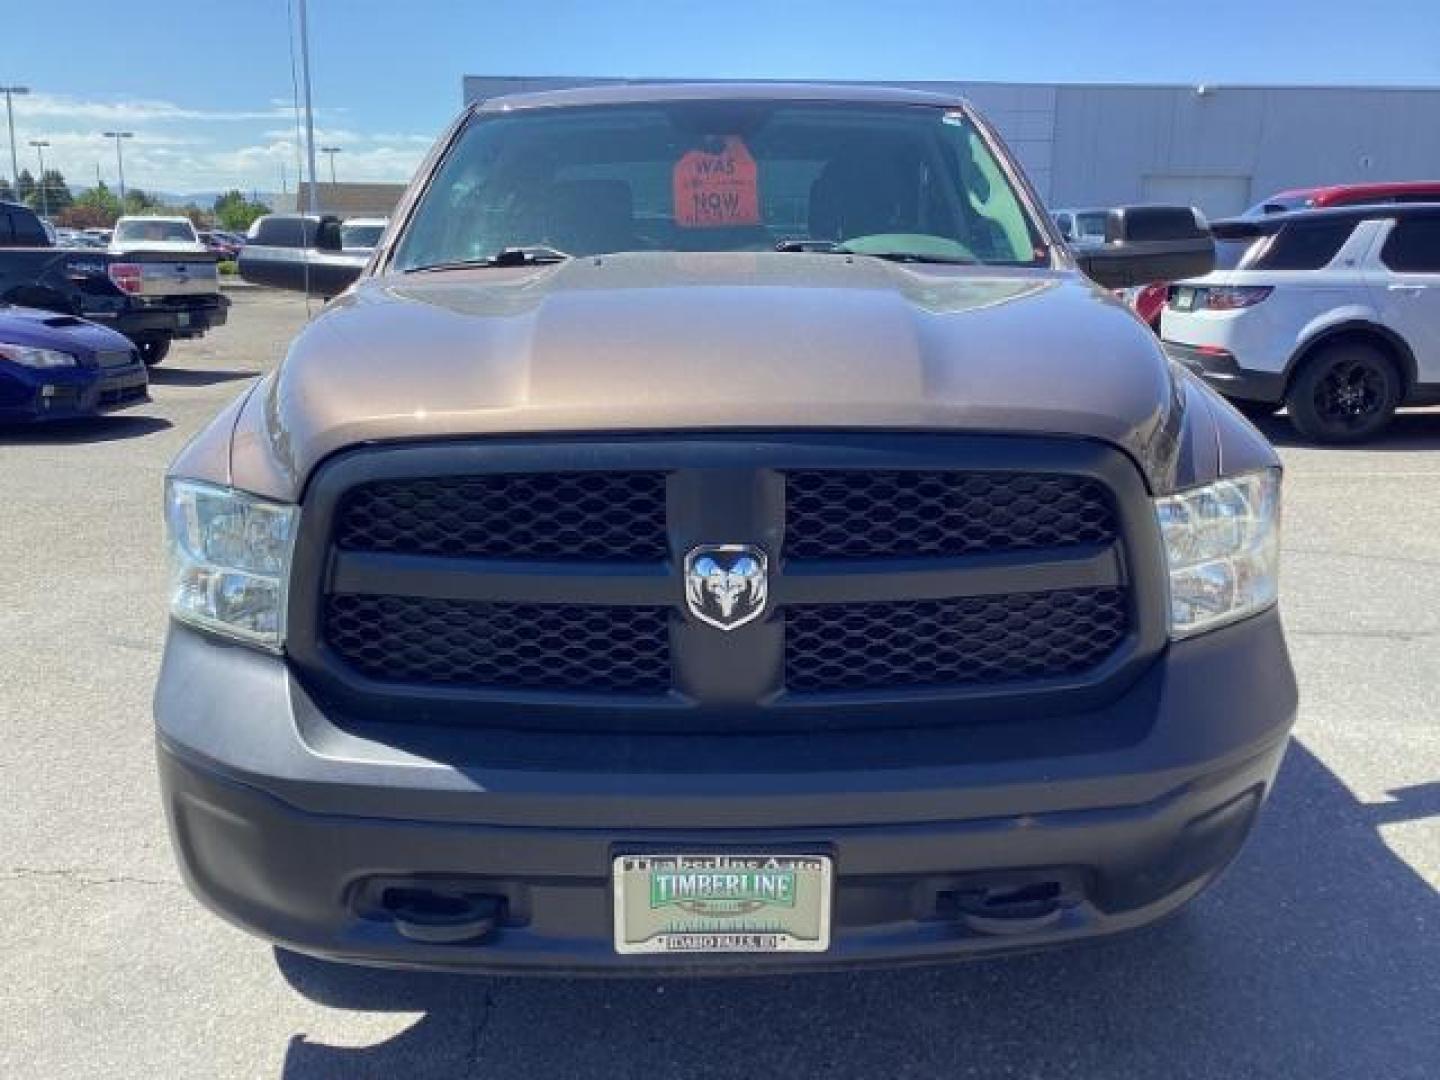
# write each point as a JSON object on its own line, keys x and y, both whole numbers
{"x": 1220, "y": 148}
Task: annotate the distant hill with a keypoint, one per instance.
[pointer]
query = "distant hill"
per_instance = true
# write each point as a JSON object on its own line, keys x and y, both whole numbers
{"x": 203, "y": 199}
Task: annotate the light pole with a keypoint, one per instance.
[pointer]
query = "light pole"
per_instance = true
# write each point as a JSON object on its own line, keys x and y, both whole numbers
{"x": 314, "y": 199}
{"x": 120, "y": 160}
{"x": 9, "y": 91}
{"x": 40, "y": 145}
{"x": 331, "y": 151}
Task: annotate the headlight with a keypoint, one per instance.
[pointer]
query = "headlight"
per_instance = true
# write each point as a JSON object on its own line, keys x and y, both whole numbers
{"x": 229, "y": 560}
{"x": 1222, "y": 542}
{"x": 36, "y": 358}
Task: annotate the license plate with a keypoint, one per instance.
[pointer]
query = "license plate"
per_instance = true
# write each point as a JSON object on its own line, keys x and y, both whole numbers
{"x": 722, "y": 903}
{"x": 1184, "y": 299}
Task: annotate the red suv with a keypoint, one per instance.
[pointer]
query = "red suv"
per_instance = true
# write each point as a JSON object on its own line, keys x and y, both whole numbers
{"x": 1347, "y": 195}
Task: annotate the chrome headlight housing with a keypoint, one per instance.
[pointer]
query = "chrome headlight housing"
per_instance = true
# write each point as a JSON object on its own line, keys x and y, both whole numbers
{"x": 1222, "y": 543}
{"x": 230, "y": 555}
{"x": 31, "y": 357}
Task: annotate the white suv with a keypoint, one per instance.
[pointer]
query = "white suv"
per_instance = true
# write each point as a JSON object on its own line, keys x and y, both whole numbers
{"x": 1334, "y": 314}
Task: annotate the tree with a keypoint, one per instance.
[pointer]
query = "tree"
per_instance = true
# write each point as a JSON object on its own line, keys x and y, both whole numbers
{"x": 98, "y": 206}
{"x": 7, "y": 193}
{"x": 139, "y": 202}
{"x": 57, "y": 195}
{"x": 24, "y": 185}
{"x": 93, "y": 208}
{"x": 79, "y": 215}
{"x": 235, "y": 212}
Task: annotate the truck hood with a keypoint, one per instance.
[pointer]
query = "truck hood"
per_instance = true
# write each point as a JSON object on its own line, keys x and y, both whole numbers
{"x": 656, "y": 342}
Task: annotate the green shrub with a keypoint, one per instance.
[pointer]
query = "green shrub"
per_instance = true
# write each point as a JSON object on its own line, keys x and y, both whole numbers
{"x": 226, "y": 267}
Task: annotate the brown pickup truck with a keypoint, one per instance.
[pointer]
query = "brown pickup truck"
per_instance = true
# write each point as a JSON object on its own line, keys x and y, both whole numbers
{"x": 721, "y": 528}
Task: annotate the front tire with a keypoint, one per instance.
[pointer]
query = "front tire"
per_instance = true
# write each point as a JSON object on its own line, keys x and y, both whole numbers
{"x": 153, "y": 348}
{"x": 1346, "y": 393}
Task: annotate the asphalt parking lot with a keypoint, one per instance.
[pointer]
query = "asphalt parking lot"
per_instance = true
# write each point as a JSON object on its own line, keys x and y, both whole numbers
{"x": 1317, "y": 956}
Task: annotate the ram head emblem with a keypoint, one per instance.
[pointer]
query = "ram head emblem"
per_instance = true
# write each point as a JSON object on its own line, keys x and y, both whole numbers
{"x": 726, "y": 585}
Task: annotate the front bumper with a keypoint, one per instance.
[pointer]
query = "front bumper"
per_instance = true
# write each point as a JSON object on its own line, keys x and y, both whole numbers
{"x": 1223, "y": 373}
{"x": 284, "y": 820}
{"x": 28, "y": 394}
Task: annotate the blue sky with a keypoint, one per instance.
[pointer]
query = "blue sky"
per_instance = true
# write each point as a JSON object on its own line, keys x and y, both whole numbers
{"x": 206, "y": 86}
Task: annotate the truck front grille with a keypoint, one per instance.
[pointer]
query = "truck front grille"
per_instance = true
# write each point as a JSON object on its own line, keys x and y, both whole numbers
{"x": 460, "y": 574}
{"x": 851, "y": 514}
{"x": 963, "y": 642}
{"x": 521, "y": 646}
{"x": 588, "y": 516}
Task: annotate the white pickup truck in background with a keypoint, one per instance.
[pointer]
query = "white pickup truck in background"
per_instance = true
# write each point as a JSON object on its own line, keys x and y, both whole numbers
{"x": 156, "y": 234}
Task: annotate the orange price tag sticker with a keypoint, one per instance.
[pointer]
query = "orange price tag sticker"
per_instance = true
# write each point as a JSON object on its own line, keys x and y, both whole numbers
{"x": 715, "y": 191}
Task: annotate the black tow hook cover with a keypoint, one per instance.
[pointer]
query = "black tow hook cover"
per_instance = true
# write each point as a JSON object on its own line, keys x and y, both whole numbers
{"x": 441, "y": 919}
{"x": 1010, "y": 909}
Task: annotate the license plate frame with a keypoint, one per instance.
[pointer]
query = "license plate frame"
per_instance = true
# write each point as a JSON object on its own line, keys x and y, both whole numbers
{"x": 757, "y": 915}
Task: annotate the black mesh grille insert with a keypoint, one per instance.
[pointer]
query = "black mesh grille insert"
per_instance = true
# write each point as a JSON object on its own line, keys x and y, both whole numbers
{"x": 584, "y": 516}
{"x": 859, "y": 514}
{"x": 963, "y": 642}
{"x": 501, "y": 646}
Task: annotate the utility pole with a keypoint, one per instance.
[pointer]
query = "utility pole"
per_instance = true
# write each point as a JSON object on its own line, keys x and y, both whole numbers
{"x": 10, "y": 91}
{"x": 314, "y": 200}
{"x": 332, "y": 151}
{"x": 40, "y": 145}
{"x": 120, "y": 160}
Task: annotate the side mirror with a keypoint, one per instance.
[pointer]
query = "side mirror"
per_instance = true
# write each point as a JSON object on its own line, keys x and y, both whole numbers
{"x": 298, "y": 252}
{"x": 1145, "y": 244}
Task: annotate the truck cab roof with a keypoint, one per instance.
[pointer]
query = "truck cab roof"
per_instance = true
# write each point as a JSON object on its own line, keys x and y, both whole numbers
{"x": 659, "y": 92}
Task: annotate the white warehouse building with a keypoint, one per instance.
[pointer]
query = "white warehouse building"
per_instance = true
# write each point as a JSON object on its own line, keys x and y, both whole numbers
{"x": 1221, "y": 148}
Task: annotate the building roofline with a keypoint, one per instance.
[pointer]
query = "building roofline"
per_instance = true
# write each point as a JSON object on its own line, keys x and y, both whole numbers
{"x": 944, "y": 87}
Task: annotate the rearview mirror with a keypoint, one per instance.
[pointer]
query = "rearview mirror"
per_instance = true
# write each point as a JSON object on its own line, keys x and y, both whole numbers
{"x": 299, "y": 252}
{"x": 1145, "y": 244}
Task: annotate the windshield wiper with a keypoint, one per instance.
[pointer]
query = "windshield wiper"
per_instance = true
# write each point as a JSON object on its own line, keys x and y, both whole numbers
{"x": 822, "y": 246}
{"x": 832, "y": 247}
{"x": 908, "y": 256}
{"x": 527, "y": 255}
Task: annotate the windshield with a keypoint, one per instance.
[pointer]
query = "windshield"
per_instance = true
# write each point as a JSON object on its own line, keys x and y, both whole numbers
{"x": 360, "y": 236}
{"x": 155, "y": 230}
{"x": 721, "y": 176}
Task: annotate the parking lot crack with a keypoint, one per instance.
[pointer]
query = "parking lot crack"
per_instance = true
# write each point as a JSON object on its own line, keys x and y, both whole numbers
{"x": 79, "y": 876}
{"x": 1369, "y": 635}
{"x": 1368, "y": 556}
{"x": 477, "y": 1032}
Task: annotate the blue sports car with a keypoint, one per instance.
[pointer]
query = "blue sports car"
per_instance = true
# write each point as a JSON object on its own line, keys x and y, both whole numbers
{"x": 55, "y": 367}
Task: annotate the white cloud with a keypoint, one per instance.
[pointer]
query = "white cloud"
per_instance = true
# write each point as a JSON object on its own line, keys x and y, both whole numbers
{"x": 329, "y": 136}
{"x": 136, "y": 111}
{"x": 179, "y": 148}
